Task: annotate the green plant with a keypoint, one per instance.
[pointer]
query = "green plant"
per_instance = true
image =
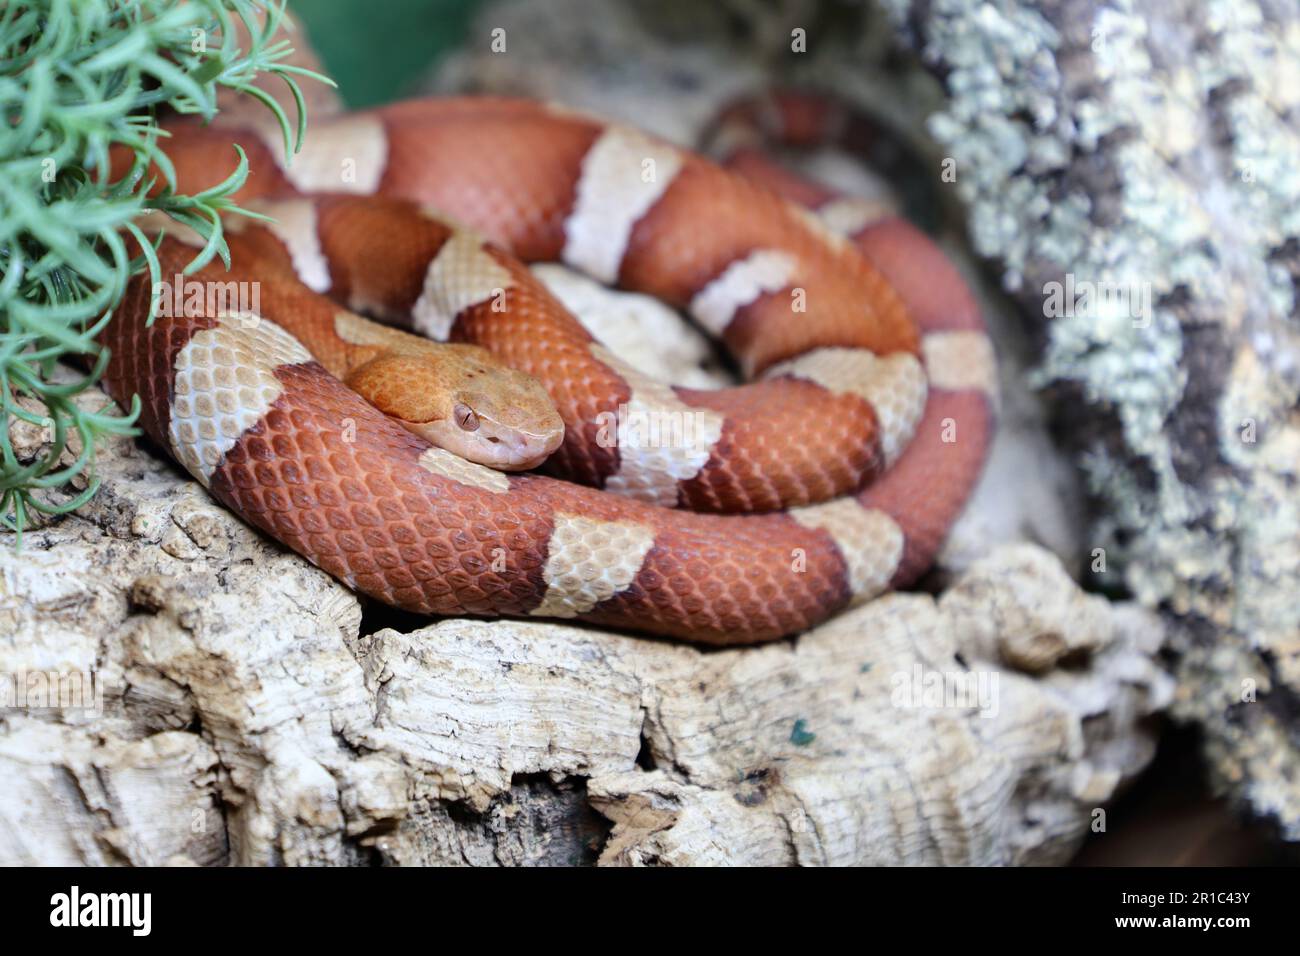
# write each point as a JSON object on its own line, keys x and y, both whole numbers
{"x": 78, "y": 78}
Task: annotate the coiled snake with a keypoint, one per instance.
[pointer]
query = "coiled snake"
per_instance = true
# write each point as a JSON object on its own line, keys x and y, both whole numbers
{"x": 860, "y": 431}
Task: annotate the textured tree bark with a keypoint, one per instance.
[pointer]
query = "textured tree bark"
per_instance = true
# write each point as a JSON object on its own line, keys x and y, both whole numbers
{"x": 1153, "y": 143}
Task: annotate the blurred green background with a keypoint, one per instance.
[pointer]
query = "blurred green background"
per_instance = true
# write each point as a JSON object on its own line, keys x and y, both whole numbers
{"x": 376, "y": 50}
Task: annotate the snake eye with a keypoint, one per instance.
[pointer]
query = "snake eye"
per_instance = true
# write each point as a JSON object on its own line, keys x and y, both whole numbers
{"x": 465, "y": 417}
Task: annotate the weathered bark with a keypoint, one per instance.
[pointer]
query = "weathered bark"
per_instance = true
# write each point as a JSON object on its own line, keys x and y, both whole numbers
{"x": 1155, "y": 142}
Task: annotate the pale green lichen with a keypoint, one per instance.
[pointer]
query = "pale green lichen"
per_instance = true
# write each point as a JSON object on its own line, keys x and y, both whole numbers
{"x": 1164, "y": 156}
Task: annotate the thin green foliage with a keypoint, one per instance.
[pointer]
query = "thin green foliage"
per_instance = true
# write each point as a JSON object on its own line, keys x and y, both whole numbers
{"x": 77, "y": 79}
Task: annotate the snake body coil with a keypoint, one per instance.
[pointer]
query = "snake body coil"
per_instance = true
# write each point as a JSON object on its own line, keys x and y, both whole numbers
{"x": 857, "y": 439}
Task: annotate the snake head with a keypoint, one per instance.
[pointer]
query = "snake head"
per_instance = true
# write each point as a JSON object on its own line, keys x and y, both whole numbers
{"x": 461, "y": 398}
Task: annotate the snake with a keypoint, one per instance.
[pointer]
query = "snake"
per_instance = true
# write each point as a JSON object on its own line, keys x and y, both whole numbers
{"x": 410, "y": 409}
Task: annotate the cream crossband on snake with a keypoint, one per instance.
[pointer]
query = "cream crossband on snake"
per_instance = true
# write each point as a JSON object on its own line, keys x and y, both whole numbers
{"x": 495, "y": 465}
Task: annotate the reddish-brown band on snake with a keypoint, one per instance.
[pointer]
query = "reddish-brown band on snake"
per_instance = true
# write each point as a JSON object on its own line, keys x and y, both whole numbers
{"x": 843, "y": 345}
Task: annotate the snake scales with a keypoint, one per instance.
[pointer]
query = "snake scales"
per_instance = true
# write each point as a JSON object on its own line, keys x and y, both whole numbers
{"x": 833, "y": 474}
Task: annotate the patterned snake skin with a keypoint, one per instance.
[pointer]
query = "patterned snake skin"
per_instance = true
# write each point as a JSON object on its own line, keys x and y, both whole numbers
{"x": 860, "y": 433}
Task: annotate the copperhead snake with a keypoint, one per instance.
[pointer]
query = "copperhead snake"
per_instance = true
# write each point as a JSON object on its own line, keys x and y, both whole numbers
{"x": 857, "y": 438}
